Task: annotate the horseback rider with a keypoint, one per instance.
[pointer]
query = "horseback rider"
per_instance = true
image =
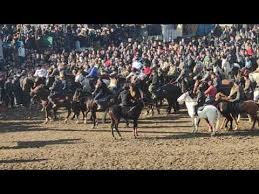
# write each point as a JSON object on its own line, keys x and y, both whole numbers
{"x": 185, "y": 77}
{"x": 101, "y": 93}
{"x": 236, "y": 93}
{"x": 154, "y": 83}
{"x": 113, "y": 82}
{"x": 129, "y": 98}
{"x": 197, "y": 92}
{"x": 248, "y": 89}
{"x": 58, "y": 89}
{"x": 125, "y": 98}
{"x": 210, "y": 93}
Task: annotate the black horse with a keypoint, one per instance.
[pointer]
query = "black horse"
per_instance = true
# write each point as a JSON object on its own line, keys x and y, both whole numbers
{"x": 78, "y": 104}
{"x": 116, "y": 113}
{"x": 170, "y": 92}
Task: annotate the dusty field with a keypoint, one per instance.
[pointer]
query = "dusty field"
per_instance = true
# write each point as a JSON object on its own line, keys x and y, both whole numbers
{"x": 164, "y": 143}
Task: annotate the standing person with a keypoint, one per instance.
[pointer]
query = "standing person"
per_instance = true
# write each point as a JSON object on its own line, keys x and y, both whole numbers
{"x": 9, "y": 96}
{"x": 21, "y": 54}
{"x": 17, "y": 90}
{"x": 2, "y": 90}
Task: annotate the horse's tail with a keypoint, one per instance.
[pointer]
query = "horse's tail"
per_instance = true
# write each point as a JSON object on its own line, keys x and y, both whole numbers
{"x": 218, "y": 119}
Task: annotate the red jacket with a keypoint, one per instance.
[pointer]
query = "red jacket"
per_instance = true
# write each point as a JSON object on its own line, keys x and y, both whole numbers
{"x": 147, "y": 71}
{"x": 211, "y": 91}
{"x": 250, "y": 51}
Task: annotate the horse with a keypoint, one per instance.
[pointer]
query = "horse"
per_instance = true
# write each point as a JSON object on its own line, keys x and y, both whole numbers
{"x": 42, "y": 93}
{"x": 78, "y": 105}
{"x": 171, "y": 93}
{"x": 210, "y": 113}
{"x": 249, "y": 107}
{"x": 228, "y": 110}
{"x": 254, "y": 77}
{"x": 116, "y": 113}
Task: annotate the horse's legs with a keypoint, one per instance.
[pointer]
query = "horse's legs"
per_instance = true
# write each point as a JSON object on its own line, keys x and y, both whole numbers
{"x": 169, "y": 109}
{"x": 157, "y": 108}
{"x": 249, "y": 118}
{"x": 152, "y": 110}
{"x": 95, "y": 122}
{"x": 235, "y": 120}
{"x": 254, "y": 118}
{"x": 46, "y": 110}
{"x": 198, "y": 123}
{"x": 238, "y": 117}
{"x": 77, "y": 117}
{"x": 83, "y": 113}
{"x": 231, "y": 124}
{"x": 104, "y": 116}
{"x": 74, "y": 115}
{"x": 68, "y": 113}
{"x": 135, "y": 130}
{"x": 195, "y": 124}
{"x": 55, "y": 113}
{"x": 223, "y": 123}
{"x": 117, "y": 121}
{"x": 112, "y": 125}
{"x": 85, "y": 119}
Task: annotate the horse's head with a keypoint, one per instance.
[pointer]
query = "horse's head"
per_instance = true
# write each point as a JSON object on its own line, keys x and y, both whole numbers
{"x": 183, "y": 97}
{"x": 77, "y": 95}
{"x": 38, "y": 91}
{"x": 220, "y": 96}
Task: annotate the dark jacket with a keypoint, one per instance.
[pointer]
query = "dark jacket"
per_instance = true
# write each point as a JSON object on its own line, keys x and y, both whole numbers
{"x": 8, "y": 87}
{"x": 101, "y": 92}
{"x": 58, "y": 86}
{"x": 125, "y": 98}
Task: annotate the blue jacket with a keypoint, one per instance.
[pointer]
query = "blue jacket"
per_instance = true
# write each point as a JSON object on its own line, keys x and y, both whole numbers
{"x": 93, "y": 72}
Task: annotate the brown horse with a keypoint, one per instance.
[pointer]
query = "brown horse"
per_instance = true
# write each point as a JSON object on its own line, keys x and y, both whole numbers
{"x": 42, "y": 93}
{"x": 227, "y": 110}
{"x": 249, "y": 107}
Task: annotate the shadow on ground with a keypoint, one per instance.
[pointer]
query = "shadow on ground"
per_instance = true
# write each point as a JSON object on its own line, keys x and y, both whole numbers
{"x": 21, "y": 126}
{"x": 184, "y": 135}
{"x": 38, "y": 144}
{"x": 21, "y": 161}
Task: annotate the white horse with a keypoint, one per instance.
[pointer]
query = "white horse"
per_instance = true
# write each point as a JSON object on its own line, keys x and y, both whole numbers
{"x": 209, "y": 112}
{"x": 254, "y": 77}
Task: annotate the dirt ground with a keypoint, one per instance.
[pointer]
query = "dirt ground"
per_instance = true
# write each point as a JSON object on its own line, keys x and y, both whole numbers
{"x": 165, "y": 142}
